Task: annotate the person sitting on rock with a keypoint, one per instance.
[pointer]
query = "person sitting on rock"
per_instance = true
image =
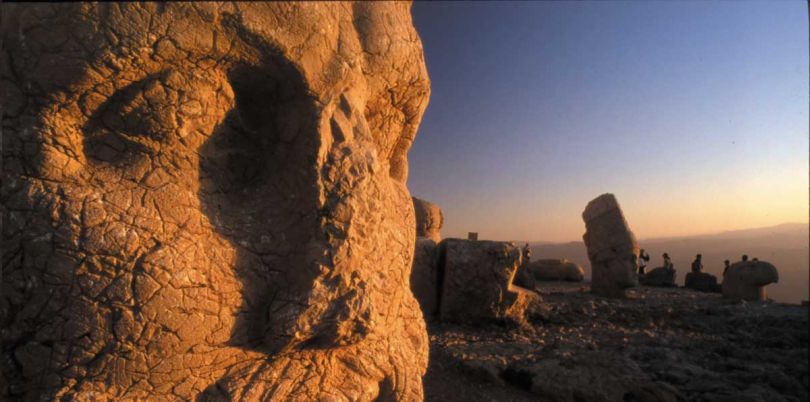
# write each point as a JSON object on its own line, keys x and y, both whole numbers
{"x": 643, "y": 259}
{"x": 745, "y": 257}
{"x": 668, "y": 262}
{"x": 725, "y": 269}
{"x": 697, "y": 265}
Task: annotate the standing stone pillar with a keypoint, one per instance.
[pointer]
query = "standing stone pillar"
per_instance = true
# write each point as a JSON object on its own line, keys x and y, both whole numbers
{"x": 612, "y": 247}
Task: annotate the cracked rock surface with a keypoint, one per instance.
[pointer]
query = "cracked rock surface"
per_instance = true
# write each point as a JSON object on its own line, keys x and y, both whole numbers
{"x": 207, "y": 201}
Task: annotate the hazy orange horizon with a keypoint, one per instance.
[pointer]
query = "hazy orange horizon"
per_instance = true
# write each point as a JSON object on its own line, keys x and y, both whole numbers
{"x": 645, "y": 224}
{"x": 745, "y": 204}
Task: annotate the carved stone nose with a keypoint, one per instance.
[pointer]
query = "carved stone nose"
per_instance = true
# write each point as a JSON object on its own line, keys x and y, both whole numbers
{"x": 260, "y": 189}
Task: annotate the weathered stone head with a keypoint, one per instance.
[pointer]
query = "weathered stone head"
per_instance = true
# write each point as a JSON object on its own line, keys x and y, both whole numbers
{"x": 429, "y": 219}
{"x": 612, "y": 247}
{"x": 208, "y": 201}
{"x": 746, "y": 280}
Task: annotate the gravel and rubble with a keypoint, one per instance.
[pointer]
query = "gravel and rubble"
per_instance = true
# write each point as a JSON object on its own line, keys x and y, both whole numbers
{"x": 660, "y": 344}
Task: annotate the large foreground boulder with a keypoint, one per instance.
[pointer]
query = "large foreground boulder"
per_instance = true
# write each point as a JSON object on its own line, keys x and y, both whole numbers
{"x": 429, "y": 219}
{"x": 702, "y": 282}
{"x": 556, "y": 270}
{"x": 477, "y": 282}
{"x": 208, "y": 201}
{"x": 661, "y": 276}
{"x": 612, "y": 247}
{"x": 746, "y": 280}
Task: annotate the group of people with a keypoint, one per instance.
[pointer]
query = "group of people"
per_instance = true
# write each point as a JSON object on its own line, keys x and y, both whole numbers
{"x": 697, "y": 264}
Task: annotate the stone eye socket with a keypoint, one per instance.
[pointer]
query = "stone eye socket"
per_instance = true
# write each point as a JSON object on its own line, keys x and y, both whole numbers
{"x": 134, "y": 122}
{"x": 239, "y": 155}
{"x": 257, "y": 95}
{"x": 268, "y": 140}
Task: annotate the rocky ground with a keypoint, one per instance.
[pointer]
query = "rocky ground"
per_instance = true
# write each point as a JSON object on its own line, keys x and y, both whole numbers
{"x": 658, "y": 345}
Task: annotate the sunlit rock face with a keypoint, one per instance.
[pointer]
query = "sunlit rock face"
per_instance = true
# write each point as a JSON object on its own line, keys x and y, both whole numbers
{"x": 612, "y": 247}
{"x": 746, "y": 280}
{"x": 207, "y": 201}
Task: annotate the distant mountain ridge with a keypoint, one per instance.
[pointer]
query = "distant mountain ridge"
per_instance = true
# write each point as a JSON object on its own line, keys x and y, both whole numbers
{"x": 793, "y": 228}
{"x": 777, "y": 230}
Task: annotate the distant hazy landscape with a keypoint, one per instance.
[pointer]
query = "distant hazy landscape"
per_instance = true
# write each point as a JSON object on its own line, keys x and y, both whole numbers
{"x": 786, "y": 246}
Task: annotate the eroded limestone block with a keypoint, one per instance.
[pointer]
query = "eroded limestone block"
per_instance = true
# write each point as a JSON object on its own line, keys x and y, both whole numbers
{"x": 425, "y": 276}
{"x": 556, "y": 270}
{"x": 612, "y": 247}
{"x": 746, "y": 280}
{"x": 429, "y": 219}
{"x": 661, "y": 276}
{"x": 702, "y": 282}
{"x": 207, "y": 201}
{"x": 477, "y": 284}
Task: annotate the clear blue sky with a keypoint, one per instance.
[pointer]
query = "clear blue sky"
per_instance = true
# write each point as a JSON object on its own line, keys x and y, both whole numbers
{"x": 695, "y": 114}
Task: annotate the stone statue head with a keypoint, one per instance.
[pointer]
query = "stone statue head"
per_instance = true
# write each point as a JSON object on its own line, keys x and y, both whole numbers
{"x": 429, "y": 219}
{"x": 746, "y": 280}
{"x": 208, "y": 201}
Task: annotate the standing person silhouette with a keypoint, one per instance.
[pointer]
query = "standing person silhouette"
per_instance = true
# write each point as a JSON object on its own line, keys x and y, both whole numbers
{"x": 697, "y": 265}
{"x": 643, "y": 259}
{"x": 725, "y": 269}
{"x": 668, "y": 262}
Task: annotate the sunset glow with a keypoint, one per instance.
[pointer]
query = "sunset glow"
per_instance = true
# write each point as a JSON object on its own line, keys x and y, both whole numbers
{"x": 694, "y": 114}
